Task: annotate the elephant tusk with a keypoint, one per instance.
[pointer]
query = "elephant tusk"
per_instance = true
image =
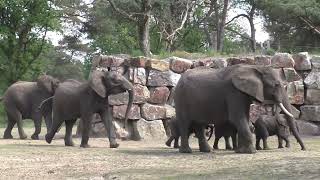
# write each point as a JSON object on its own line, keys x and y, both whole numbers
{"x": 285, "y": 110}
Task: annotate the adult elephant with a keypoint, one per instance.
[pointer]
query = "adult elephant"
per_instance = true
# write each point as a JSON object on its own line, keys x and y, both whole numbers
{"x": 74, "y": 99}
{"x": 209, "y": 96}
{"x": 21, "y": 101}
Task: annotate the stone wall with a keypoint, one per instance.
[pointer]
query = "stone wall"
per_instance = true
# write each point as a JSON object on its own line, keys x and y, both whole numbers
{"x": 154, "y": 82}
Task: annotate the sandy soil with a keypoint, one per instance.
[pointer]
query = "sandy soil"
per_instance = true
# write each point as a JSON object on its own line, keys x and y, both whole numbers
{"x": 29, "y": 159}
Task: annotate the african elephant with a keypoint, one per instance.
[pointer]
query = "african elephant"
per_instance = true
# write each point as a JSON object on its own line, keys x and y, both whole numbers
{"x": 267, "y": 125}
{"x": 225, "y": 130}
{"x": 74, "y": 99}
{"x": 217, "y": 96}
{"x": 21, "y": 101}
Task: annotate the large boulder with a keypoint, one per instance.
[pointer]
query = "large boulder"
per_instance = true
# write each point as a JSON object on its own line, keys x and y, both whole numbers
{"x": 170, "y": 112}
{"x": 111, "y": 61}
{"x": 151, "y": 129}
{"x": 295, "y": 92}
{"x": 308, "y": 128}
{"x": 282, "y": 60}
{"x": 315, "y": 61}
{"x": 313, "y": 80}
{"x": 138, "y": 75}
{"x": 139, "y": 61}
{"x": 262, "y": 60}
{"x": 179, "y": 65}
{"x": 120, "y": 111}
{"x": 206, "y": 62}
{"x": 153, "y": 112}
{"x": 159, "y": 65}
{"x": 302, "y": 61}
{"x": 313, "y": 96}
{"x": 141, "y": 95}
{"x": 310, "y": 112}
{"x": 159, "y": 95}
{"x": 291, "y": 74}
{"x": 240, "y": 60}
{"x": 219, "y": 63}
{"x": 159, "y": 78}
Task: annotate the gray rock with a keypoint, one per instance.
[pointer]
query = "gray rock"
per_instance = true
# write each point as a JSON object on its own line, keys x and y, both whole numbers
{"x": 310, "y": 112}
{"x": 282, "y": 60}
{"x": 302, "y": 61}
{"x": 219, "y": 63}
{"x": 138, "y": 76}
{"x": 295, "y": 92}
{"x": 240, "y": 60}
{"x": 151, "y": 129}
{"x": 313, "y": 96}
{"x": 166, "y": 78}
{"x": 179, "y": 65}
{"x": 312, "y": 81}
{"x": 170, "y": 111}
{"x": 256, "y": 110}
{"x": 111, "y": 61}
{"x": 159, "y": 65}
{"x": 308, "y": 128}
{"x": 262, "y": 60}
{"x": 120, "y": 111}
{"x": 159, "y": 95}
{"x": 315, "y": 61}
{"x": 153, "y": 112}
{"x": 291, "y": 74}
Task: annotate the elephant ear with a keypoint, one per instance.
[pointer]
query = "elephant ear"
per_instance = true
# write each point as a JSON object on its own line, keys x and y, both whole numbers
{"x": 96, "y": 83}
{"x": 248, "y": 80}
{"x": 45, "y": 82}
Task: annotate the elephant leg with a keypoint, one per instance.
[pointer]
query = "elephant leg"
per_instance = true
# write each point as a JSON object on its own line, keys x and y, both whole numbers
{"x": 203, "y": 143}
{"x": 216, "y": 142}
{"x": 227, "y": 142}
{"x": 234, "y": 141}
{"x": 56, "y": 124}
{"x": 280, "y": 141}
{"x": 176, "y": 143}
{"x": 106, "y": 117}
{"x": 265, "y": 144}
{"x": 135, "y": 133}
{"x": 7, "y": 133}
{"x": 239, "y": 117}
{"x": 286, "y": 139}
{"x": 17, "y": 117}
{"x": 68, "y": 136}
{"x": 169, "y": 141}
{"x": 48, "y": 121}
{"x": 86, "y": 124}
{"x": 258, "y": 147}
{"x": 37, "y": 126}
{"x": 184, "y": 135}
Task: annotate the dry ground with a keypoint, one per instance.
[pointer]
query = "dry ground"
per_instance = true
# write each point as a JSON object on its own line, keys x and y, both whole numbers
{"x": 28, "y": 159}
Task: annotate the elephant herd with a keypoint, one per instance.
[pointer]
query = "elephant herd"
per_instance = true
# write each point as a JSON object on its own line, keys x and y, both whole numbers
{"x": 220, "y": 98}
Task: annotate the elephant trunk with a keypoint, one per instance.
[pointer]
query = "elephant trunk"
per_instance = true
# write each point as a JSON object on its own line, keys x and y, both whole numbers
{"x": 130, "y": 90}
{"x": 291, "y": 120}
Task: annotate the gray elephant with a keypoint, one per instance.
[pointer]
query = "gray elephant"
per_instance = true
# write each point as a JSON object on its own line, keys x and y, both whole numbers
{"x": 267, "y": 125}
{"x": 225, "y": 130}
{"x": 74, "y": 100}
{"x": 21, "y": 101}
{"x": 210, "y": 96}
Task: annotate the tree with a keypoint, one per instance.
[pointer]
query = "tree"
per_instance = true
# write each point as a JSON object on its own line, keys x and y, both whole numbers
{"x": 23, "y": 29}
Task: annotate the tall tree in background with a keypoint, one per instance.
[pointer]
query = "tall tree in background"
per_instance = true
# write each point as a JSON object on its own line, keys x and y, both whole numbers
{"x": 23, "y": 29}
{"x": 138, "y": 12}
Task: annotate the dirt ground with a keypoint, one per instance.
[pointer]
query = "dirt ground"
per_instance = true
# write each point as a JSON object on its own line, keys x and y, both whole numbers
{"x": 29, "y": 159}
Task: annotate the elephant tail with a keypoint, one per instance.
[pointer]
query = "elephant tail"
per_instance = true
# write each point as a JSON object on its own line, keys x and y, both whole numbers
{"x": 44, "y": 102}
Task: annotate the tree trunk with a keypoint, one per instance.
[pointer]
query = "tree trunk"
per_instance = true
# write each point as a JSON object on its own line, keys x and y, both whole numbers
{"x": 144, "y": 28}
{"x": 252, "y": 28}
{"x": 221, "y": 28}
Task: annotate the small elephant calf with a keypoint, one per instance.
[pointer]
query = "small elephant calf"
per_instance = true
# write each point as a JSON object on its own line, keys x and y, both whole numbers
{"x": 267, "y": 125}
{"x": 225, "y": 130}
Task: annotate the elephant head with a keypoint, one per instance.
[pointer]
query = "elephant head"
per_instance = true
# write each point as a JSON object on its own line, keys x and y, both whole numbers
{"x": 107, "y": 83}
{"x": 263, "y": 84}
{"x": 48, "y": 83}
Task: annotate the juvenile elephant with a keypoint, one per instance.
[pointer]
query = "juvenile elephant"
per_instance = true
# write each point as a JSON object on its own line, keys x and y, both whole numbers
{"x": 21, "y": 101}
{"x": 225, "y": 130}
{"x": 267, "y": 125}
{"x": 74, "y": 99}
{"x": 210, "y": 96}
{"x": 175, "y": 135}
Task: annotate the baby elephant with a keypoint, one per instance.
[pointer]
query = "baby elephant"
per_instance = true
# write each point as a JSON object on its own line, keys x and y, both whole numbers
{"x": 173, "y": 125}
{"x": 225, "y": 130}
{"x": 267, "y": 125}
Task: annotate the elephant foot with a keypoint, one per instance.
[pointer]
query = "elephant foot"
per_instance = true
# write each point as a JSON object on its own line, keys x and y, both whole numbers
{"x": 84, "y": 145}
{"x": 69, "y": 143}
{"x": 287, "y": 145}
{"x": 168, "y": 143}
{"x": 35, "y": 137}
{"x": 280, "y": 147}
{"x": 246, "y": 150}
{"x": 228, "y": 148}
{"x": 258, "y": 148}
{"x": 7, "y": 136}
{"x": 215, "y": 147}
{"x": 176, "y": 146}
{"x": 185, "y": 149}
{"x": 48, "y": 138}
{"x": 23, "y": 136}
{"x": 114, "y": 145}
{"x": 266, "y": 148}
{"x": 303, "y": 149}
{"x": 205, "y": 149}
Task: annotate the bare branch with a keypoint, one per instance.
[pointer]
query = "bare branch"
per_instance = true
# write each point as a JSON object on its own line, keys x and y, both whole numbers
{"x": 237, "y": 16}
{"x": 122, "y": 12}
{"x": 310, "y": 24}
